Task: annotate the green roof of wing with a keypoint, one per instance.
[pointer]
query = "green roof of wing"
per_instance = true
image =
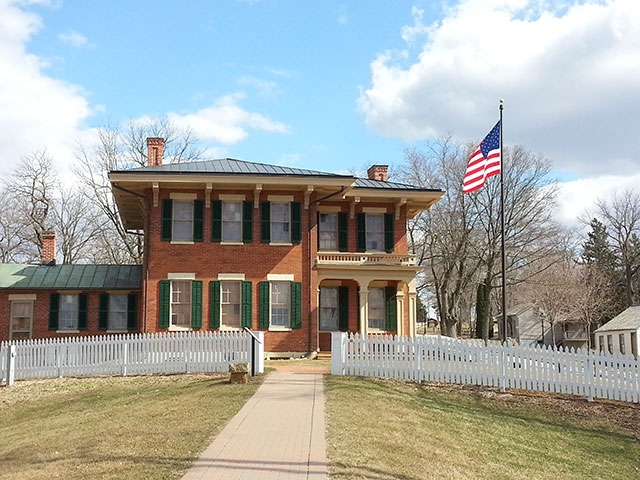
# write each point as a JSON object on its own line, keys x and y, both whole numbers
{"x": 70, "y": 277}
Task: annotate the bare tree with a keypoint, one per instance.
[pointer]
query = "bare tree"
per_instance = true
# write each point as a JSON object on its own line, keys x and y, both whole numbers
{"x": 621, "y": 216}
{"x": 442, "y": 236}
{"x": 33, "y": 184}
{"x": 13, "y": 230}
{"x": 115, "y": 149}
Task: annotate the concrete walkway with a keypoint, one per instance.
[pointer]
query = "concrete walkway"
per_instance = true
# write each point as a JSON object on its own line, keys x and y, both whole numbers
{"x": 278, "y": 434}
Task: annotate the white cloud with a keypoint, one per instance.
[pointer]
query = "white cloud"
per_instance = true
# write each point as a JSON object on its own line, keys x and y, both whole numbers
{"x": 226, "y": 121}
{"x": 38, "y": 112}
{"x": 569, "y": 74}
{"x": 74, "y": 39}
{"x": 265, "y": 88}
{"x": 577, "y": 197}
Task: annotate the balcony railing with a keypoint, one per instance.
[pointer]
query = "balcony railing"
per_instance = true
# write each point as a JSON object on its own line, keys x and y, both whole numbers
{"x": 365, "y": 259}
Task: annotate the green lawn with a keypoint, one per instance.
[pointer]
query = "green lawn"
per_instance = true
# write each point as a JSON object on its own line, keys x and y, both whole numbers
{"x": 391, "y": 430}
{"x": 113, "y": 427}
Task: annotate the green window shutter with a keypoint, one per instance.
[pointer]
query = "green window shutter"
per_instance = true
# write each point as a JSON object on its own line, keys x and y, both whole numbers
{"x": 343, "y": 236}
{"x": 82, "y": 311}
{"x": 390, "y": 304}
{"x": 196, "y": 304}
{"x": 247, "y": 222}
{"x": 54, "y": 308}
{"x": 214, "y": 304}
{"x": 246, "y": 305}
{"x": 343, "y": 308}
{"x": 361, "y": 232}
{"x": 265, "y": 222}
{"x": 389, "y": 241}
{"x": 296, "y": 222}
{"x": 296, "y": 305}
{"x": 165, "y": 299}
{"x": 198, "y": 221}
{"x": 132, "y": 311}
{"x": 103, "y": 312}
{"x": 265, "y": 292}
{"x": 216, "y": 220}
{"x": 167, "y": 220}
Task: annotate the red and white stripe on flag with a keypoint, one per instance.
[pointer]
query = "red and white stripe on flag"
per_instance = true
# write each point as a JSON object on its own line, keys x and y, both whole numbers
{"x": 484, "y": 162}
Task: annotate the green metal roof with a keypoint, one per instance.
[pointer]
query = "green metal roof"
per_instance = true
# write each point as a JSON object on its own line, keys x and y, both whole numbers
{"x": 70, "y": 277}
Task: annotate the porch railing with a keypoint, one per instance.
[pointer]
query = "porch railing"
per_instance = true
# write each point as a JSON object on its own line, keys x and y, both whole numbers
{"x": 365, "y": 259}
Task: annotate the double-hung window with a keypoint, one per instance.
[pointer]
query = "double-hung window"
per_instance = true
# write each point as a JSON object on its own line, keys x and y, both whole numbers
{"x": 21, "y": 319}
{"x": 375, "y": 232}
{"x": 67, "y": 312}
{"x": 117, "y": 312}
{"x": 180, "y": 304}
{"x": 332, "y": 231}
{"x": 382, "y": 313}
{"x": 182, "y": 219}
{"x": 280, "y": 305}
{"x": 231, "y": 220}
{"x": 280, "y": 222}
{"x": 230, "y": 304}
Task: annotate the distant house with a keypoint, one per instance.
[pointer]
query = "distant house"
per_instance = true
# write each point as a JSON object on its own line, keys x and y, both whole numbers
{"x": 621, "y": 334}
{"x": 527, "y": 326}
{"x": 230, "y": 244}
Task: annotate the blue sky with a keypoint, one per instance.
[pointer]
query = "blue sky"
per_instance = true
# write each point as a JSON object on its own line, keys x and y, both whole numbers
{"x": 332, "y": 85}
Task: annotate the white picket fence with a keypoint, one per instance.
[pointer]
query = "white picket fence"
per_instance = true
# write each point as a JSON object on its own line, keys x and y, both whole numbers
{"x": 447, "y": 360}
{"x": 175, "y": 352}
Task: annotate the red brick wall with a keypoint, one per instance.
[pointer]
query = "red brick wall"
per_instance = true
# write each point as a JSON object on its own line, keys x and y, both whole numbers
{"x": 40, "y": 328}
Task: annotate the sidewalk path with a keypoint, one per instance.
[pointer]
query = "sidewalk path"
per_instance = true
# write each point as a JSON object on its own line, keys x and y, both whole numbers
{"x": 278, "y": 434}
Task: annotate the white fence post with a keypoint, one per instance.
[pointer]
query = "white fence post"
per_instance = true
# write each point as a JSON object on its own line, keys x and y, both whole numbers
{"x": 258, "y": 352}
{"x": 11, "y": 365}
{"x": 338, "y": 352}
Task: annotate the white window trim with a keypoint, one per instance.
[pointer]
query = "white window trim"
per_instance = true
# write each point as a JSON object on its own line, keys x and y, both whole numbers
{"x": 230, "y": 277}
{"x": 280, "y": 277}
{"x": 183, "y": 197}
{"x": 24, "y": 297}
{"x": 232, "y": 198}
{"x": 182, "y": 242}
{"x": 329, "y": 209}
{"x": 280, "y": 198}
{"x": 374, "y": 210}
{"x": 181, "y": 276}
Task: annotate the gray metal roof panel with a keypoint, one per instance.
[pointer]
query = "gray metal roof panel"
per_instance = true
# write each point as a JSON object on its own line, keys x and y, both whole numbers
{"x": 70, "y": 277}
{"x": 228, "y": 166}
{"x": 377, "y": 184}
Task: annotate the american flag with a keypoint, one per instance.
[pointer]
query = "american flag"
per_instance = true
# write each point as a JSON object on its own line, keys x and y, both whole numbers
{"x": 484, "y": 162}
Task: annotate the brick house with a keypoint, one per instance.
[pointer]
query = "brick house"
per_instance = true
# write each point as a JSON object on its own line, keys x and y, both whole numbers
{"x": 293, "y": 252}
{"x": 49, "y": 300}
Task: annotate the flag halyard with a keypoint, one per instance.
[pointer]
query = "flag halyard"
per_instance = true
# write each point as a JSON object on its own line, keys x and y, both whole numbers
{"x": 484, "y": 162}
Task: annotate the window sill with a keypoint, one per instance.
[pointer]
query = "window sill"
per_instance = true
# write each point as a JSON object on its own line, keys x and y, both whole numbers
{"x": 231, "y": 243}
{"x": 182, "y": 242}
{"x": 180, "y": 329}
{"x": 118, "y": 331}
{"x": 229, "y": 329}
{"x": 68, "y": 331}
{"x": 280, "y": 329}
{"x": 281, "y": 244}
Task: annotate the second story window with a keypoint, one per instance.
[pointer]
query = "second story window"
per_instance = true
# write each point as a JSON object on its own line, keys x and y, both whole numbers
{"x": 182, "y": 220}
{"x": 375, "y": 232}
{"x": 332, "y": 231}
{"x": 280, "y": 223}
{"x": 231, "y": 221}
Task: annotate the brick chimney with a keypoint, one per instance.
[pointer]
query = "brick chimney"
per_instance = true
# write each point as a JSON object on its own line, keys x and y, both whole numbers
{"x": 378, "y": 172}
{"x": 155, "y": 149}
{"x": 48, "y": 248}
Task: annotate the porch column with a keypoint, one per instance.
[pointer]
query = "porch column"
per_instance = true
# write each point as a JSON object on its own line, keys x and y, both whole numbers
{"x": 400, "y": 330}
{"x": 364, "y": 311}
{"x": 413, "y": 305}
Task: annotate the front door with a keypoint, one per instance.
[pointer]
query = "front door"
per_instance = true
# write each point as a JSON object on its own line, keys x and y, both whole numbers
{"x": 21, "y": 324}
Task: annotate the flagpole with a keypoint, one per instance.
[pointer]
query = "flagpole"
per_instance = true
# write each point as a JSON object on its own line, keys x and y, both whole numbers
{"x": 504, "y": 256}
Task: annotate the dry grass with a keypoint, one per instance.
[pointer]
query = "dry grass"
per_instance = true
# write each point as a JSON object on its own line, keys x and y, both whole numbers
{"x": 392, "y": 430}
{"x": 148, "y": 427}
